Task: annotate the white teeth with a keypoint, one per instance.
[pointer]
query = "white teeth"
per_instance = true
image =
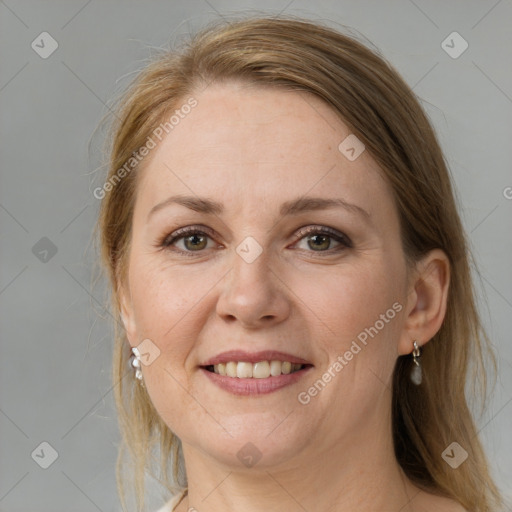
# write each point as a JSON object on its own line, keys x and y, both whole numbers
{"x": 244, "y": 370}
{"x": 259, "y": 370}
{"x": 275, "y": 368}
{"x": 230, "y": 369}
{"x": 286, "y": 367}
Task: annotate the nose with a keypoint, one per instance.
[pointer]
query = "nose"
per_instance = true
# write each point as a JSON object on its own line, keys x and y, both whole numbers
{"x": 253, "y": 294}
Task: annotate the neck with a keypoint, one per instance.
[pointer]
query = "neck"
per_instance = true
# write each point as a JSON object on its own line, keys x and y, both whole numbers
{"x": 358, "y": 474}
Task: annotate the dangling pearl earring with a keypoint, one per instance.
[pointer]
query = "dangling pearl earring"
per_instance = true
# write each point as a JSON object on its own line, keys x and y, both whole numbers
{"x": 135, "y": 363}
{"x": 416, "y": 372}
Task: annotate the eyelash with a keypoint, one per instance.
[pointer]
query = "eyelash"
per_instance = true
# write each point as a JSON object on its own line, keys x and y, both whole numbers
{"x": 167, "y": 241}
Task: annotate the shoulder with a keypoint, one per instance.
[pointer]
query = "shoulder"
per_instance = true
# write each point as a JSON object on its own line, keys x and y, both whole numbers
{"x": 171, "y": 504}
{"x": 428, "y": 502}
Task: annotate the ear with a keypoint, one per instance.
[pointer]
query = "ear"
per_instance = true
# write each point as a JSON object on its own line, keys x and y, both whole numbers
{"x": 127, "y": 314}
{"x": 426, "y": 301}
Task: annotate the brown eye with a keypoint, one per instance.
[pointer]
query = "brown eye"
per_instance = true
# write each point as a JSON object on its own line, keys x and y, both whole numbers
{"x": 320, "y": 239}
{"x": 195, "y": 242}
{"x": 191, "y": 239}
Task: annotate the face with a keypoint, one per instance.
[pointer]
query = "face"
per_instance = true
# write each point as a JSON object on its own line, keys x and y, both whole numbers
{"x": 264, "y": 274}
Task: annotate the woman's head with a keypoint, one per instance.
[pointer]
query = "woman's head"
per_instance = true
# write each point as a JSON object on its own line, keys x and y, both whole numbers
{"x": 252, "y": 128}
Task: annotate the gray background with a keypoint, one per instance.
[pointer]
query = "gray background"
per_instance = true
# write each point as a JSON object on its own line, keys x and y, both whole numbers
{"x": 55, "y": 335}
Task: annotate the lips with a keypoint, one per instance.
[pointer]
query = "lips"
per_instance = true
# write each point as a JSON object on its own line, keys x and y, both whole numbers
{"x": 254, "y": 373}
{"x": 259, "y": 370}
{"x": 254, "y": 357}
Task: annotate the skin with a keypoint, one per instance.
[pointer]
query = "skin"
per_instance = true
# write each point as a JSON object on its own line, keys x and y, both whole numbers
{"x": 253, "y": 149}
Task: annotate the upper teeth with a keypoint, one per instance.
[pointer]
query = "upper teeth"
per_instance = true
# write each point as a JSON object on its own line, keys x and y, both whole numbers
{"x": 260, "y": 370}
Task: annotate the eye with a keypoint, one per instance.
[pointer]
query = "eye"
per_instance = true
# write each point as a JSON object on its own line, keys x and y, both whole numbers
{"x": 192, "y": 238}
{"x": 320, "y": 238}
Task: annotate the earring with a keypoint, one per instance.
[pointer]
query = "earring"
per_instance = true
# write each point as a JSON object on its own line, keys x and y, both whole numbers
{"x": 416, "y": 372}
{"x": 135, "y": 363}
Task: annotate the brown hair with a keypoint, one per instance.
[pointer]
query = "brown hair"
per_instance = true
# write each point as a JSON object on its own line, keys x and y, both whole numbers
{"x": 380, "y": 108}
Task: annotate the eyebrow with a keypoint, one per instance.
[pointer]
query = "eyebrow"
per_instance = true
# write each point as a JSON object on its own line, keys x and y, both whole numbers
{"x": 293, "y": 207}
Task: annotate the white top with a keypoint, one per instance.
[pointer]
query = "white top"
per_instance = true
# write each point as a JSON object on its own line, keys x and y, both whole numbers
{"x": 173, "y": 502}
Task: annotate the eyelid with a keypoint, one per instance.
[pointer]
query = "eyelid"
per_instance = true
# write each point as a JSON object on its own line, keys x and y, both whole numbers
{"x": 182, "y": 232}
{"x": 167, "y": 241}
{"x": 319, "y": 229}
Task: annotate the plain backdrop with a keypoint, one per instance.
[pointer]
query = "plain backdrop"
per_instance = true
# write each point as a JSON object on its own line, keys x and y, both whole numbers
{"x": 56, "y": 336}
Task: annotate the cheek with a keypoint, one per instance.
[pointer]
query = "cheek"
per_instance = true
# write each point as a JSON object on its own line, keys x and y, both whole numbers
{"x": 356, "y": 312}
{"x": 356, "y": 303}
{"x": 169, "y": 303}
{"x": 169, "y": 309}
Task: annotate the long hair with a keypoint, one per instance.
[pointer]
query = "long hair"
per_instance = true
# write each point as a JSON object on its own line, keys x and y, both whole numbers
{"x": 294, "y": 54}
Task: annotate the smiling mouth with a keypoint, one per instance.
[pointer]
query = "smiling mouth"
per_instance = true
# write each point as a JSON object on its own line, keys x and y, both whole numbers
{"x": 259, "y": 370}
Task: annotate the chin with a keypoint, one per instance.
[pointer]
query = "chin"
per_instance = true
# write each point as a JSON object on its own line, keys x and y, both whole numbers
{"x": 260, "y": 444}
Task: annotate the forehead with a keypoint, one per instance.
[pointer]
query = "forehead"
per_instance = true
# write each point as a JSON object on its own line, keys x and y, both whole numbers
{"x": 263, "y": 143}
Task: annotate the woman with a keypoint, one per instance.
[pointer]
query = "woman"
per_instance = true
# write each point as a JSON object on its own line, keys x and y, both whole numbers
{"x": 292, "y": 277}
